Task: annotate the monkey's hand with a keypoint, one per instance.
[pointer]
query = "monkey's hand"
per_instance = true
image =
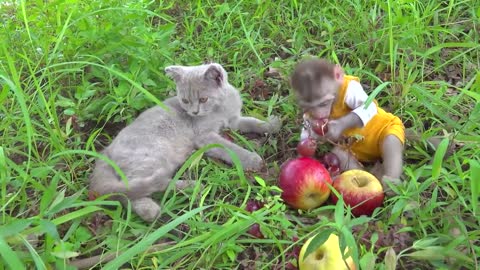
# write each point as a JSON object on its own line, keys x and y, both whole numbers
{"x": 335, "y": 130}
{"x": 337, "y": 126}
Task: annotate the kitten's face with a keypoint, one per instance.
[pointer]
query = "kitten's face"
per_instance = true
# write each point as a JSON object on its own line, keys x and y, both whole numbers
{"x": 196, "y": 98}
{"x": 199, "y": 88}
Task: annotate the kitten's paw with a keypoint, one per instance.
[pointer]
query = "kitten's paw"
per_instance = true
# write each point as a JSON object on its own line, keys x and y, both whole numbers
{"x": 184, "y": 184}
{"x": 253, "y": 162}
{"x": 274, "y": 123}
{"x": 146, "y": 209}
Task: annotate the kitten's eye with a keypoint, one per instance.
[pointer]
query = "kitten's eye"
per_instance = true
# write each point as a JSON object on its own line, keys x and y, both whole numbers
{"x": 203, "y": 99}
{"x": 184, "y": 100}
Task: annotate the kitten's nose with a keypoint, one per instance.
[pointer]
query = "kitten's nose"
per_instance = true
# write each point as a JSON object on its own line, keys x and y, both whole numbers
{"x": 195, "y": 112}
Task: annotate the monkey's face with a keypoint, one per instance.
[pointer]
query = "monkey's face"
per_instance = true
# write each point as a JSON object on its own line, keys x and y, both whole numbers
{"x": 318, "y": 100}
{"x": 316, "y": 83}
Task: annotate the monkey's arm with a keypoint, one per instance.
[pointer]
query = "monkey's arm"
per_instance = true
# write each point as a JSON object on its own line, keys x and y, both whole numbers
{"x": 355, "y": 98}
{"x": 338, "y": 126}
{"x": 360, "y": 115}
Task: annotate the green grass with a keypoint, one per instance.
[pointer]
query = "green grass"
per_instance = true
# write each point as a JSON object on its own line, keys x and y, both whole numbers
{"x": 74, "y": 72}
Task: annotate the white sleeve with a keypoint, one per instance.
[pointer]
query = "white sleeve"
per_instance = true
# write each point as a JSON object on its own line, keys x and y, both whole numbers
{"x": 355, "y": 97}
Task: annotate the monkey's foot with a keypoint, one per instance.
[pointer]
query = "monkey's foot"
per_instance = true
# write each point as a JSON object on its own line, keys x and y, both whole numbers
{"x": 386, "y": 180}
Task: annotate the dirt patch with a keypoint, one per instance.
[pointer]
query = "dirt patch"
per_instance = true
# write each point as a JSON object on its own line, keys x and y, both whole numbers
{"x": 109, "y": 131}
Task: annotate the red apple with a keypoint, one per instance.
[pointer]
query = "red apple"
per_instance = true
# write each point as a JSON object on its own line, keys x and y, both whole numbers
{"x": 304, "y": 182}
{"x": 332, "y": 163}
{"x": 331, "y": 159}
{"x": 320, "y": 126}
{"x": 253, "y": 205}
{"x": 254, "y": 230}
{"x": 334, "y": 171}
{"x": 360, "y": 190}
{"x": 307, "y": 147}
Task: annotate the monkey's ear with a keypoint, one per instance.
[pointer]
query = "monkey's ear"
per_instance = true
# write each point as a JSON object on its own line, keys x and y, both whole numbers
{"x": 174, "y": 72}
{"x": 338, "y": 73}
{"x": 215, "y": 73}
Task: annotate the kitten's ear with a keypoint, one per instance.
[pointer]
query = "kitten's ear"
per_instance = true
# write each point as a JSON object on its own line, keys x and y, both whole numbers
{"x": 174, "y": 72}
{"x": 216, "y": 73}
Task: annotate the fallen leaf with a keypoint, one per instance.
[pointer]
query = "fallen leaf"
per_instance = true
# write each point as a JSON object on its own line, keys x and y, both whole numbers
{"x": 272, "y": 73}
{"x": 390, "y": 259}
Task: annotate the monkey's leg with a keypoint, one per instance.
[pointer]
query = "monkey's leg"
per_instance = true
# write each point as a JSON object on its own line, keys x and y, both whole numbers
{"x": 347, "y": 160}
{"x": 392, "y": 154}
{"x": 377, "y": 170}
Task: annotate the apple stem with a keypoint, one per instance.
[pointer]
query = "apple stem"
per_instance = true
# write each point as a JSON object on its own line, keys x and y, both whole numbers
{"x": 356, "y": 181}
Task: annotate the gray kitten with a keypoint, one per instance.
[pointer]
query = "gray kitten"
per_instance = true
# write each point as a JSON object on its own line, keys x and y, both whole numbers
{"x": 157, "y": 143}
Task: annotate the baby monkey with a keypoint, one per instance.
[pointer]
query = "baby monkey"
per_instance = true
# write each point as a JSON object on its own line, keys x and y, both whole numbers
{"x": 323, "y": 91}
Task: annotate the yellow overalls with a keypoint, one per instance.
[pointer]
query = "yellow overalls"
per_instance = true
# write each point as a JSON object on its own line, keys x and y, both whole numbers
{"x": 368, "y": 148}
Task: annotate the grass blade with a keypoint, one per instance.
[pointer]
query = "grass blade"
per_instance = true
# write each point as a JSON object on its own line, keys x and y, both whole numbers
{"x": 9, "y": 256}
{"x": 474, "y": 184}
{"x": 438, "y": 158}
{"x": 375, "y": 92}
{"x": 317, "y": 241}
{"x": 117, "y": 73}
{"x": 339, "y": 211}
{"x": 3, "y": 181}
{"x": 65, "y": 218}
{"x": 146, "y": 242}
{"x": 39, "y": 264}
{"x": 26, "y": 115}
{"x": 97, "y": 155}
{"x": 14, "y": 227}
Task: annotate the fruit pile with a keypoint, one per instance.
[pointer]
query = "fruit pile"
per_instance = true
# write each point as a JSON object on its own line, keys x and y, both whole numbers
{"x": 308, "y": 146}
{"x": 306, "y": 182}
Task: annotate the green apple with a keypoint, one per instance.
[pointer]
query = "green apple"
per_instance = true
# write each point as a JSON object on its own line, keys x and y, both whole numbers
{"x": 328, "y": 256}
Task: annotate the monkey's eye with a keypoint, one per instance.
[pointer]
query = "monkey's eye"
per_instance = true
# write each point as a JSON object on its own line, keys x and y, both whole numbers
{"x": 203, "y": 99}
{"x": 184, "y": 100}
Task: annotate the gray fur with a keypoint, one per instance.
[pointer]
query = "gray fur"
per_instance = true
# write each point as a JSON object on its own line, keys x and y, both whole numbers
{"x": 157, "y": 143}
